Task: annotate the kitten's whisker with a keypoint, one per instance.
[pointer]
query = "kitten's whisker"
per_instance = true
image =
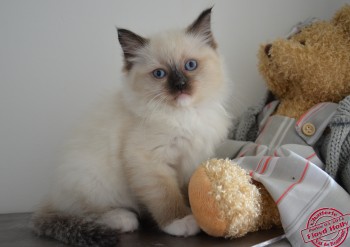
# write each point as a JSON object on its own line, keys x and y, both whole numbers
{"x": 159, "y": 102}
{"x": 155, "y": 102}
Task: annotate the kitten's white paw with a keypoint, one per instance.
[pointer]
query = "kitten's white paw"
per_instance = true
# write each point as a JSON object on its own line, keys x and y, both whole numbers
{"x": 120, "y": 219}
{"x": 184, "y": 227}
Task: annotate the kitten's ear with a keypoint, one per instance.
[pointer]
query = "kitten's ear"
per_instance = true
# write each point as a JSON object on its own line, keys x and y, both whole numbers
{"x": 201, "y": 27}
{"x": 130, "y": 43}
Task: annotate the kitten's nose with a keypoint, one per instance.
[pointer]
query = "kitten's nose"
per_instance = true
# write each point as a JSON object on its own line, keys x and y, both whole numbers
{"x": 180, "y": 85}
{"x": 177, "y": 81}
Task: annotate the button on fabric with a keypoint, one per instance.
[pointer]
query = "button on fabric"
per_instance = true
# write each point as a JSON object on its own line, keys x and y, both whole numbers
{"x": 308, "y": 129}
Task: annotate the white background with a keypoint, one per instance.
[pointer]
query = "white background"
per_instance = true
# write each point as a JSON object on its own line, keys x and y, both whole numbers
{"x": 58, "y": 57}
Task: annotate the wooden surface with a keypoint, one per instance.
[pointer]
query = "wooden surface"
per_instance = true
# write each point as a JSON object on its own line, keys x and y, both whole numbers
{"x": 15, "y": 232}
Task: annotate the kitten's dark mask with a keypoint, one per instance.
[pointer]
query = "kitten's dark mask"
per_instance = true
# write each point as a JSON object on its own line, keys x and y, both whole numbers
{"x": 178, "y": 82}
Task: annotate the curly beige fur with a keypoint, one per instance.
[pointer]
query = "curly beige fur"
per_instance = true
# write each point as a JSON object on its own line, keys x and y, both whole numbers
{"x": 227, "y": 203}
{"x": 312, "y": 66}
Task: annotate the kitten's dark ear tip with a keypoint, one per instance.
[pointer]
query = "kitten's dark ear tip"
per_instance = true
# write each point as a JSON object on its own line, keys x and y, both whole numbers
{"x": 122, "y": 31}
{"x": 126, "y": 37}
{"x": 130, "y": 43}
{"x": 206, "y": 13}
{"x": 208, "y": 10}
{"x": 202, "y": 27}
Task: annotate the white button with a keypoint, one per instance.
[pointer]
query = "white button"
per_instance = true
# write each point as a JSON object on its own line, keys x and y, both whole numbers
{"x": 308, "y": 129}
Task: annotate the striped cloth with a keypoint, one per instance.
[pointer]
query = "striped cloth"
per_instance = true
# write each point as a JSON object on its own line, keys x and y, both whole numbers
{"x": 314, "y": 209}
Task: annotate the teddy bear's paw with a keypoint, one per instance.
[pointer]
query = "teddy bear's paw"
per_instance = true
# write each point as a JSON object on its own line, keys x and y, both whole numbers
{"x": 184, "y": 227}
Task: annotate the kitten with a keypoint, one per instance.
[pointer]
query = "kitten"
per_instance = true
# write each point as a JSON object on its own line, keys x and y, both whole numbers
{"x": 139, "y": 149}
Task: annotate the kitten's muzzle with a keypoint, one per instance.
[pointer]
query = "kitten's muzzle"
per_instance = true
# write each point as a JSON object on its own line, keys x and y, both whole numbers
{"x": 177, "y": 81}
{"x": 180, "y": 85}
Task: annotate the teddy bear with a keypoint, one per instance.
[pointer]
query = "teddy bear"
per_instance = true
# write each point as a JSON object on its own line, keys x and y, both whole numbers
{"x": 290, "y": 154}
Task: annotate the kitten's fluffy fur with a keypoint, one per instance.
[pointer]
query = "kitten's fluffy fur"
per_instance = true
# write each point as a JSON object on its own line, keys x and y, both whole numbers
{"x": 140, "y": 148}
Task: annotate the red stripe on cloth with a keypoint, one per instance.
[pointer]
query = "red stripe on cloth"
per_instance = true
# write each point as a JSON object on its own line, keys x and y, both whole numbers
{"x": 310, "y": 112}
{"x": 266, "y": 164}
{"x": 268, "y": 106}
{"x": 245, "y": 151}
{"x": 242, "y": 154}
{"x": 292, "y": 185}
{"x": 311, "y": 156}
{"x": 258, "y": 167}
{"x": 251, "y": 173}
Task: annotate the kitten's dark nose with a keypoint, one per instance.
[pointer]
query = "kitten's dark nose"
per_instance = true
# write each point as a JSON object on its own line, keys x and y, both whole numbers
{"x": 177, "y": 82}
{"x": 267, "y": 50}
{"x": 180, "y": 85}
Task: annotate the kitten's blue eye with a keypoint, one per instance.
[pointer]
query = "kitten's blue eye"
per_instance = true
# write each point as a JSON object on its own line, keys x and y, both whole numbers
{"x": 159, "y": 73}
{"x": 191, "y": 65}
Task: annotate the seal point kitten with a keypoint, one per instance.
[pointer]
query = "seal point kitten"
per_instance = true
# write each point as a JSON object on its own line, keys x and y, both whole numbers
{"x": 138, "y": 151}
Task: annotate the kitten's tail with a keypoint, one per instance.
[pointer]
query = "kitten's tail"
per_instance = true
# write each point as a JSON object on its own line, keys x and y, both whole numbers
{"x": 73, "y": 230}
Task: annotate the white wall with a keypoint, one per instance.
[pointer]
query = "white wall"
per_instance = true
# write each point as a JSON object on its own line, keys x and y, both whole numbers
{"x": 58, "y": 57}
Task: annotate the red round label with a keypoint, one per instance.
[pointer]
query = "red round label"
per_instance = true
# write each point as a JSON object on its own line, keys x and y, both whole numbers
{"x": 326, "y": 227}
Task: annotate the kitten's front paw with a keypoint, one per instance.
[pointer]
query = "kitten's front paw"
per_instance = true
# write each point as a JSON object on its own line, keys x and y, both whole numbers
{"x": 120, "y": 219}
{"x": 184, "y": 227}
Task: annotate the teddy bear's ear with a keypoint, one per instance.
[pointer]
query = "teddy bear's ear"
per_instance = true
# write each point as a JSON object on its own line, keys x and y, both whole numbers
{"x": 342, "y": 18}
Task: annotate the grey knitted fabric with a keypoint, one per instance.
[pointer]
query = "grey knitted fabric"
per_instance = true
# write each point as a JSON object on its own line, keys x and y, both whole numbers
{"x": 338, "y": 145}
{"x": 334, "y": 148}
{"x": 246, "y": 126}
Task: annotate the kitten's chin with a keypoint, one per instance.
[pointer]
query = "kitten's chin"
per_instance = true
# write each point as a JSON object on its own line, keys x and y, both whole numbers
{"x": 183, "y": 100}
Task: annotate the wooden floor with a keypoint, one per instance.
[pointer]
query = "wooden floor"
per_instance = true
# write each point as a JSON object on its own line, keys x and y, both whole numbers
{"x": 15, "y": 232}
